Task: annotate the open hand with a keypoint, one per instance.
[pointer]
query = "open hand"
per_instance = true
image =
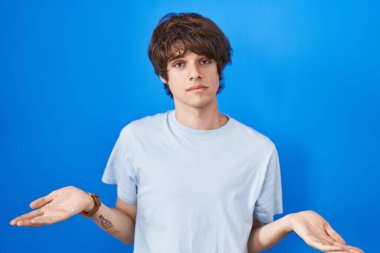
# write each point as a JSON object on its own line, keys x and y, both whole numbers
{"x": 57, "y": 206}
{"x": 318, "y": 234}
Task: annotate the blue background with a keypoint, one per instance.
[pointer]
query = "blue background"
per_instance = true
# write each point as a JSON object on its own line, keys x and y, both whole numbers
{"x": 304, "y": 73}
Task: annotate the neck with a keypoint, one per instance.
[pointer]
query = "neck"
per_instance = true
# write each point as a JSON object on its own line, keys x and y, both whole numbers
{"x": 206, "y": 118}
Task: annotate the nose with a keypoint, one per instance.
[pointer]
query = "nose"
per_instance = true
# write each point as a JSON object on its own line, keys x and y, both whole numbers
{"x": 194, "y": 72}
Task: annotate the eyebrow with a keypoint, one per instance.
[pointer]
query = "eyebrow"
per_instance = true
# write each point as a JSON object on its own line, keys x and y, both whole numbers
{"x": 183, "y": 58}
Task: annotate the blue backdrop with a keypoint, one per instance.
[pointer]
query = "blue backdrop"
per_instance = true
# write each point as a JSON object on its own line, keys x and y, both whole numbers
{"x": 304, "y": 73}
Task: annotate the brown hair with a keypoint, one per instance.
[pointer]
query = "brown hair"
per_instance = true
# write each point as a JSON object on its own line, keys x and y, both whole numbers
{"x": 177, "y": 33}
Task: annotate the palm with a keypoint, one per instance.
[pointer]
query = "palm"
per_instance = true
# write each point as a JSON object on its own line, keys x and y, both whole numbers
{"x": 318, "y": 233}
{"x": 57, "y": 206}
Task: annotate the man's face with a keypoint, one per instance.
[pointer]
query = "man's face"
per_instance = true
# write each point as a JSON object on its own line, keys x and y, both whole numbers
{"x": 193, "y": 80}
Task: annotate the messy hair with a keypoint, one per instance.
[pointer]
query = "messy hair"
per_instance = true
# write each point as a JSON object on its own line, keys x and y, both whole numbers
{"x": 175, "y": 34}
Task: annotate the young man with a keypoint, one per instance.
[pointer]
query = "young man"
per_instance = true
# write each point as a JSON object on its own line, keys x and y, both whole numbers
{"x": 191, "y": 179}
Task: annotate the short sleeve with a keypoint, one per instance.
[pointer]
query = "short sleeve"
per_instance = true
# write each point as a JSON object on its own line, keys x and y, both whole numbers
{"x": 119, "y": 169}
{"x": 269, "y": 201}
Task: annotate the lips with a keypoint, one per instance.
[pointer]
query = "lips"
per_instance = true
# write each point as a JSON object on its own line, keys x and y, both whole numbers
{"x": 196, "y": 87}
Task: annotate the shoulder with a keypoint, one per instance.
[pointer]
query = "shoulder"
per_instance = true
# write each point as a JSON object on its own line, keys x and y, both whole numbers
{"x": 252, "y": 137}
{"x": 145, "y": 124}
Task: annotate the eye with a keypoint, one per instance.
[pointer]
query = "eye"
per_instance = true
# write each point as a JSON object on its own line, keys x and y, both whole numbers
{"x": 178, "y": 65}
{"x": 206, "y": 61}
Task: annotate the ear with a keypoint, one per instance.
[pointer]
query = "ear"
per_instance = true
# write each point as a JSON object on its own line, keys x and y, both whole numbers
{"x": 162, "y": 79}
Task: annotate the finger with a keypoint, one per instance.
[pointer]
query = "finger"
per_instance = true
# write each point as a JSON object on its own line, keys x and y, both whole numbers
{"x": 327, "y": 239}
{"x": 343, "y": 250}
{"x": 29, "y": 215}
{"x": 26, "y": 223}
{"x": 340, "y": 251}
{"x": 354, "y": 249}
{"x": 324, "y": 239}
{"x": 324, "y": 247}
{"x": 340, "y": 244}
{"x": 331, "y": 232}
{"x": 43, "y": 220}
{"x": 349, "y": 249}
{"x": 41, "y": 201}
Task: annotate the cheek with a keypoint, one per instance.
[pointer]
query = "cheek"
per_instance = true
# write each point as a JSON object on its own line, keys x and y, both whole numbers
{"x": 214, "y": 73}
{"x": 174, "y": 81}
{"x": 176, "y": 84}
{"x": 215, "y": 79}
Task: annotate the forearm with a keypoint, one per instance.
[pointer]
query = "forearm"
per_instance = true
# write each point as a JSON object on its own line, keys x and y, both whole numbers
{"x": 116, "y": 223}
{"x": 266, "y": 236}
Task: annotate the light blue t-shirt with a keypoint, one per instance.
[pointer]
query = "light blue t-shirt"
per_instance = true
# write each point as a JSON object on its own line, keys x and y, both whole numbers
{"x": 197, "y": 191}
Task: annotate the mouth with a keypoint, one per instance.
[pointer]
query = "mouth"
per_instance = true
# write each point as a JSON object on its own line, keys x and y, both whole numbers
{"x": 198, "y": 88}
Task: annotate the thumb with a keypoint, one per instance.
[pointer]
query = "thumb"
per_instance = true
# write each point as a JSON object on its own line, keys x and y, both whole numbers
{"x": 42, "y": 201}
{"x": 331, "y": 232}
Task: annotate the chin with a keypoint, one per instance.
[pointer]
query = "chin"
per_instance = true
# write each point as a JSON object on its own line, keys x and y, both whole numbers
{"x": 196, "y": 102}
{"x": 202, "y": 103}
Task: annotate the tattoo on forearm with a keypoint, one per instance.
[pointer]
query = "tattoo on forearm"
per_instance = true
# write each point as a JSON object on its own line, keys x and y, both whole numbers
{"x": 106, "y": 224}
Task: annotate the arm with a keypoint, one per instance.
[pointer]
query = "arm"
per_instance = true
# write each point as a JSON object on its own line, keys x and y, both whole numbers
{"x": 66, "y": 202}
{"x": 266, "y": 236}
{"x": 311, "y": 227}
{"x": 118, "y": 222}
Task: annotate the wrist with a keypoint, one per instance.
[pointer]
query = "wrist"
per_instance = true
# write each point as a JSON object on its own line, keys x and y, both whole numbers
{"x": 89, "y": 203}
{"x": 94, "y": 206}
{"x": 288, "y": 221}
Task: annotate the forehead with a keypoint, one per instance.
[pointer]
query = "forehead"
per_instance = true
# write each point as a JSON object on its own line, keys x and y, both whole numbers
{"x": 182, "y": 55}
{"x": 177, "y": 50}
{"x": 182, "y": 49}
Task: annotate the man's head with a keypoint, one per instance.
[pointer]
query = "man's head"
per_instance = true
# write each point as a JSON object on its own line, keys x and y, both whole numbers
{"x": 177, "y": 34}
